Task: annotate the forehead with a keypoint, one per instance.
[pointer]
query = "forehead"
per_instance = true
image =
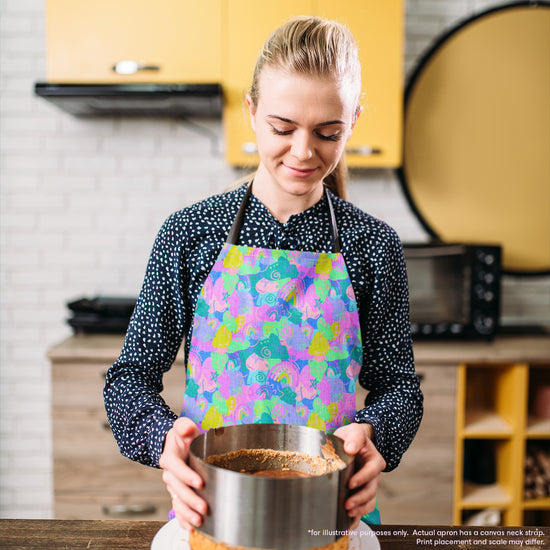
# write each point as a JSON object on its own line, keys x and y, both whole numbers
{"x": 293, "y": 94}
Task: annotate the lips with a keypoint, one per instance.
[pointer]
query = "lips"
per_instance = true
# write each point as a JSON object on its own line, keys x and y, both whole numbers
{"x": 299, "y": 172}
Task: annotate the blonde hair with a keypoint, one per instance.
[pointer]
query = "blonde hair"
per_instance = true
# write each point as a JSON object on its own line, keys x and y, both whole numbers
{"x": 309, "y": 45}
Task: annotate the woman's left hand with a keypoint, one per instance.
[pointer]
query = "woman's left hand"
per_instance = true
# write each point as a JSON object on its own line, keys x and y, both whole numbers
{"x": 370, "y": 464}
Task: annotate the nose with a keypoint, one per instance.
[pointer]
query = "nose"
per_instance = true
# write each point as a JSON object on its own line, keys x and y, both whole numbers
{"x": 301, "y": 147}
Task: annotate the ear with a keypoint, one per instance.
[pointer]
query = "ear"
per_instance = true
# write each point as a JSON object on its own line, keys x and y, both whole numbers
{"x": 358, "y": 111}
{"x": 251, "y": 110}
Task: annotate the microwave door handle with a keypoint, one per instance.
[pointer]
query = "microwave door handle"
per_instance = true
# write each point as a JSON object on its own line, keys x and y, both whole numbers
{"x": 432, "y": 251}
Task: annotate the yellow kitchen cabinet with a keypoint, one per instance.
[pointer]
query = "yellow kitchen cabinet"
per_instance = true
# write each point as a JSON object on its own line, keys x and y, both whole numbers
{"x": 174, "y": 41}
{"x": 378, "y": 29}
{"x": 496, "y": 425}
{"x": 248, "y": 23}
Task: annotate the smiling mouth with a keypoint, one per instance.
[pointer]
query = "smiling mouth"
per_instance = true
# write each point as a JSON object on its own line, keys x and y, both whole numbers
{"x": 300, "y": 172}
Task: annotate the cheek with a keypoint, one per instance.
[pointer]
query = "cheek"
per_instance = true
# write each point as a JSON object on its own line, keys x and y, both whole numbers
{"x": 332, "y": 152}
{"x": 268, "y": 144}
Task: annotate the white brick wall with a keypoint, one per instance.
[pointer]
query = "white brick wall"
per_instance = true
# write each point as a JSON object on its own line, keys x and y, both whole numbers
{"x": 81, "y": 202}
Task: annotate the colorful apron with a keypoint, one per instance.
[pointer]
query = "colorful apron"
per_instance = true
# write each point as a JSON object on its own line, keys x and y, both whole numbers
{"x": 276, "y": 338}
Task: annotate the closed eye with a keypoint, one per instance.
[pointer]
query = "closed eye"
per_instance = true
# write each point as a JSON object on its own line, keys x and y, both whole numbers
{"x": 279, "y": 132}
{"x": 331, "y": 137}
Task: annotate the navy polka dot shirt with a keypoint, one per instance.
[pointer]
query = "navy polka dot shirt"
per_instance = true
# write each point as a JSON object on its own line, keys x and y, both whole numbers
{"x": 184, "y": 252}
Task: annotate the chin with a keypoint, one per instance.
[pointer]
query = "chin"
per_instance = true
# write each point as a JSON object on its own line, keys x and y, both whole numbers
{"x": 302, "y": 191}
{"x": 300, "y": 188}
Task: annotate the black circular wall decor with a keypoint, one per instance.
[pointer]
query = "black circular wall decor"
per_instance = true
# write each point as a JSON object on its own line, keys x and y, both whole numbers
{"x": 476, "y": 137}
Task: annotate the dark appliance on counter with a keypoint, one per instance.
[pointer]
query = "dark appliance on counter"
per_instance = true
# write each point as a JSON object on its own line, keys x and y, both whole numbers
{"x": 454, "y": 290}
{"x": 101, "y": 315}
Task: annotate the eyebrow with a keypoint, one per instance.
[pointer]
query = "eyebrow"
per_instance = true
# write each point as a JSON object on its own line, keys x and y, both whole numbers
{"x": 289, "y": 121}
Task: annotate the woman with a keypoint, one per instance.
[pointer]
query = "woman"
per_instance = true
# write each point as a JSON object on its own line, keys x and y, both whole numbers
{"x": 285, "y": 293}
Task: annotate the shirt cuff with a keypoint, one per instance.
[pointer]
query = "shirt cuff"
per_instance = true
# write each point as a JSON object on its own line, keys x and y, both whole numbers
{"x": 157, "y": 434}
{"x": 379, "y": 440}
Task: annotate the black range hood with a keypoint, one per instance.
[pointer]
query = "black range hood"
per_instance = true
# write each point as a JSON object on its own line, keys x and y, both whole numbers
{"x": 171, "y": 100}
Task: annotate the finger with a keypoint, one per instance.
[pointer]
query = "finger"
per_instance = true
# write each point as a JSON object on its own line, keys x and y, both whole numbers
{"x": 354, "y": 439}
{"x": 185, "y": 493}
{"x": 362, "y": 502}
{"x": 187, "y": 501}
{"x": 175, "y": 483}
{"x": 175, "y": 454}
{"x": 370, "y": 470}
{"x": 358, "y": 512}
{"x": 353, "y": 446}
{"x": 173, "y": 466}
{"x": 180, "y": 437}
{"x": 365, "y": 495}
{"x": 186, "y": 517}
{"x": 189, "y": 508}
{"x": 186, "y": 428}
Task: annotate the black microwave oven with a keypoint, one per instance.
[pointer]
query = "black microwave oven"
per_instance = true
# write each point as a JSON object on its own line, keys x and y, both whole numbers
{"x": 454, "y": 290}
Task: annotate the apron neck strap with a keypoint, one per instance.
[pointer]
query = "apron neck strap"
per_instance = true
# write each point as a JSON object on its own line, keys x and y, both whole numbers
{"x": 233, "y": 235}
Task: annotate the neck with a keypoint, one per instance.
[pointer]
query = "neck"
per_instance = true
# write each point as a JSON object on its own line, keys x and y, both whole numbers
{"x": 280, "y": 202}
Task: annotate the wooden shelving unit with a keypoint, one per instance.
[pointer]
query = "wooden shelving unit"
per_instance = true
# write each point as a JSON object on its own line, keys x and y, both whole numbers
{"x": 495, "y": 427}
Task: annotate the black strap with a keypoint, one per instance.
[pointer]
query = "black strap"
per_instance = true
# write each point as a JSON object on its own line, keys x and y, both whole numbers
{"x": 235, "y": 231}
{"x": 333, "y": 224}
{"x": 233, "y": 235}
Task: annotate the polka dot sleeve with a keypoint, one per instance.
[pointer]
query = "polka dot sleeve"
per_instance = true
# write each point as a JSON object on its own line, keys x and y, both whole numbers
{"x": 394, "y": 403}
{"x": 138, "y": 416}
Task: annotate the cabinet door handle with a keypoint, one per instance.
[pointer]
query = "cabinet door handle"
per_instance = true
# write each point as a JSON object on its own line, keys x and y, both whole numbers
{"x": 129, "y": 509}
{"x": 129, "y": 66}
{"x": 249, "y": 148}
{"x": 364, "y": 150}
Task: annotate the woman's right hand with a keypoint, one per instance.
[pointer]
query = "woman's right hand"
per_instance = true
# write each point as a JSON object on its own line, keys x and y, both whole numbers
{"x": 180, "y": 479}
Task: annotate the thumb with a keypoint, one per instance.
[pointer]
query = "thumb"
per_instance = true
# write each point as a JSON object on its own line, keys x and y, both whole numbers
{"x": 353, "y": 444}
{"x": 186, "y": 429}
{"x": 355, "y": 439}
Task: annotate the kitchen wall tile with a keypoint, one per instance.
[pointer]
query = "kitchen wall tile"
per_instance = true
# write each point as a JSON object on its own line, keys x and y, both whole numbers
{"x": 427, "y": 26}
{"x": 31, "y": 8}
{"x": 22, "y": 144}
{"x": 132, "y": 163}
{"x": 15, "y": 25}
{"x": 91, "y": 164}
{"x": 69, "y": 184}
{"x": 20, "y": 163}
{"x": 124, "y": 142}
{"x": 86, "y": 127}
{"x": 27, "y": 125}
{"x": 68, "y": 145}
{"x": 21, "y": 44}
{"x": 437, "y": 8}
{"x": 17, "y": 66}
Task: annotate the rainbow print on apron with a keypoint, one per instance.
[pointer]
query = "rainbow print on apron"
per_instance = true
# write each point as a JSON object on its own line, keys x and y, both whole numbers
{"x": 276, "y": 338}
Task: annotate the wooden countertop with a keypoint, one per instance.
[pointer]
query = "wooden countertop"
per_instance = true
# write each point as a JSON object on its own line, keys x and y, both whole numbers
{"x": 36, "y": 534}
{"x": 531, "y": 349}
{"x": 92, "y": 347}
{"x": 27, "y": 534}
{"x": 520, "y": 349}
